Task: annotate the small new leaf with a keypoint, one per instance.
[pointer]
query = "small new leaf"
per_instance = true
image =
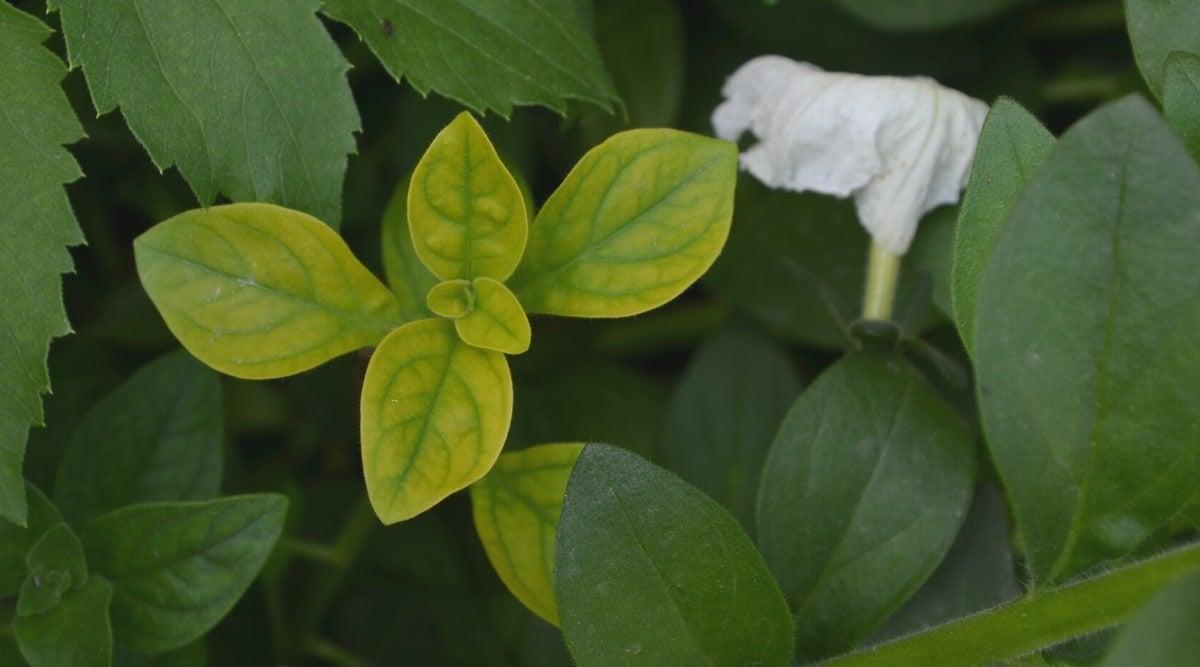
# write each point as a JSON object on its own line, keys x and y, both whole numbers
{"x": 451, "y": 299}
{"x": 497, "y": 322}
{"x": 55, "y": 564}
{"x": 77, "y": 632}
{"x": 16, "y": 541}
{"x": 259, "y": 291}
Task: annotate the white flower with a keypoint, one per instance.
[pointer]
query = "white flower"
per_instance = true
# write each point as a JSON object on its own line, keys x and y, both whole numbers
{"x": 901, "y": 146}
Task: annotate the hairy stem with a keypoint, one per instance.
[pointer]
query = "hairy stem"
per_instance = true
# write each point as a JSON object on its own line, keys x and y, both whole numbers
{"x": 883, "y": 270}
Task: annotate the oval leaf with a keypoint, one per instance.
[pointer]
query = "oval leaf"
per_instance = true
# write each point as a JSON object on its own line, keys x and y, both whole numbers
{"x": 452, "y": 298}
{"x": 648, "y": 570}
{"x": 516, "y": 508}
{"x": 497, "y": 321}
{"x": 1085, "y": 342}
{"x": 178, "y": 568}
{"x": 258, "y": 291}
{"x": 409, "y": 279}
{"x": 77, "y": 632}
{"x": 862, "y": 494}
{"x": 466, "y": 213}
{"x": 16, "y": 541}
{"x": 434, "y": 415}
{"x": 638, "y": 220}
{"x": 1158, "y": 28}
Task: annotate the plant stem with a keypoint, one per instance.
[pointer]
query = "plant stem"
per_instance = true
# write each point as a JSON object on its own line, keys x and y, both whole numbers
{"x": 883, "y": 270}
{"x": 1036, "y": 621}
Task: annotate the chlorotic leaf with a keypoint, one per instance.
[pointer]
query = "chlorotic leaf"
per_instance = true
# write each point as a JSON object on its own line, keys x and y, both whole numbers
{"x": 259, "y": 291}
{"x": 1011, "y": 147}
{"x": 1163, "y": 633}
{"x": 248, "y": 98}
{"x": 434, "y": 415}
{"x": 863, "y": 491}
{"x": 497, "y": 321}
{"x": 36, "y": 120}
{"x": 77, "y": 632}
{"x": 409, "y": 279}
{"x": 638, "y": 220}
{"x": 466, "y": 213}
{"x": 1158, "y": 28}
{"x": 516, "y": 508}
{"x": 56, "y": 565}
{"x": 451, "y": 299}
{"x": 648, "y": 570}
{"x": 178, "y": 568}
{"x": 159, "y": 435}
{"x": 1085, "y": 338}
{"x": 487, "y": 54}
{"x": 16, "y": 541}
{"x": 1181, "y": 98}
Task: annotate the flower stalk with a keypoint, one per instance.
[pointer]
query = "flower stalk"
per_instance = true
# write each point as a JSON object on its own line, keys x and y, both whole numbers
{"x": 883, "y": 271}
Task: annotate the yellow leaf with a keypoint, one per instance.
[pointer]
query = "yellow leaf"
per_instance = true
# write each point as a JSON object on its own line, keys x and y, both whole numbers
{"x": 496, "y": 321}
{"x": 434, "y": 415}
{"x": 260, "y": 291}
{"x": 516, "y": 508}
{"x": 465, "y": 211}
{"x": 452, "y": 298}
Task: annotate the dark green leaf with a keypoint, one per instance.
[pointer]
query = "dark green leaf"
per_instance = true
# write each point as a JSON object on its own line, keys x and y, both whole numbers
{"x": 1181, "y": 98}
{"x": 724, "y": 414}
{"x": 16, "y": 541}
{"x": 1163, "y": 633}
{"x": 159, "y": 435}
{"x": 56, "y": 565}
{"x": 1158, "y": 28}
{"x": 926, "y": 14}
{"x": 177, "y": 568}
{"x": 76, "y": 632}
{"x": 1011, "y": 147}
{"x": 37, "y": 223}
{"x": 1085, "y": 342}
{"x": 863, "y": 492}
{"x": 409, "y": 279}
{"x": 650, "y": 571}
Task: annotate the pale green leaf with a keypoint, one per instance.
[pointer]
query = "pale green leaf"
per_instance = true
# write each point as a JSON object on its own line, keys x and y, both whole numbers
{"x": 434, "y": 415}
{"x": 260, "y": 291}
{"x": 409, "y": 279}
{"x": 77, "y": 632}
{"x": 37, "y": 223}
{"x": 451, "y": 299}
{"x": 516, "y": 508}
{"x": 488, "y": 54}
{"x": 1158, "y": 28}
{"x": 638, "y": 220}
{"x": 497, "y": 321}
{"x": 1181, "y": 98}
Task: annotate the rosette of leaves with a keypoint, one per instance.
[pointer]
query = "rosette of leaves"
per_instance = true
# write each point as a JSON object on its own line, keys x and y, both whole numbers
{"x": 260, "y": 291}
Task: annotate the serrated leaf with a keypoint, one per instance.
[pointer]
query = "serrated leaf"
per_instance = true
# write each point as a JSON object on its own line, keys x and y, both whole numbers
{"x": 1163, "y": 633}
{"x": 77, "y": 632}
{"x": 497, "y": 321}
{"x": 488, "y": 54}
{"x": 451, "y": 299}
{"x": 926, "y": 14}
{"x": 259, "y": 291}
{"x": 178, "y": 568}
{"x": 466, "y": 213}
{"x": 1085, "y": 342}
{"x": 649, "y": 570}
{"x": 638, "y": 220}
{"x": 409, "y": 279}
{"x": 16, "y": 541}
{"x": 434, "y": 415}
{"x": 248, "y": 98}
{"x": 1158, "y": 28}
{"x": 516, "y": 508}
{"x": 159, "y": 435}
{"x": 56, "y": 565}
{"x": 1181, "y": 98}
{"x": 35, "y": 122}
{"x": 861, "y": 496}
{"x": 1012, "y": 145}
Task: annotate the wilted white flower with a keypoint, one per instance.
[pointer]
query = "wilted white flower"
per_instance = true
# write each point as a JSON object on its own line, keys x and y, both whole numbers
{"x": 901, "y": 146}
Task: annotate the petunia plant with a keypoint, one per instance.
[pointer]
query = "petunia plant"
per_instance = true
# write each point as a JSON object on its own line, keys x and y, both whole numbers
{"x": 259, "y": 291}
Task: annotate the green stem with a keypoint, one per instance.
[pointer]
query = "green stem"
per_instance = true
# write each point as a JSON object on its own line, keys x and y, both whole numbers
{"x": 1036, "y": 621}
{"x": 883, "y": 270}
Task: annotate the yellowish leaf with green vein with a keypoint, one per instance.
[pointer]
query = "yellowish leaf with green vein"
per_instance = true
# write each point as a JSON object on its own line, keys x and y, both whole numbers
{"x": 260, "y": 291}
{"x": 452, "y": 298}
{"x": 516, "y": 508}
{"x": 434, "y": 415}
{"x": 638, "y": 220}
{"x": 497, "y": 321}
{"x": 465, "y": 211}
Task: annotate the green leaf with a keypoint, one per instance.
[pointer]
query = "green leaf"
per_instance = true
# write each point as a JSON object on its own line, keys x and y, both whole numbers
{"x": 1158, "y": 28}
{"x": 258, "y": 291}
{"x": 649, "y": 570}
{"x": 178, "y": 568}
{"x": 516, "y": 508}
{"x": 862, "y": 494}
{"x": 1163, "y": 633}
{"x": 724, "y": 414}
{"x": 248, "y": 98}
{"x": 487, "y": 54}
{"x": 466, "y": 213}
{"x": 36, "y": 120}
{"x": 1011, "y": 147}
{"x": 638, "y": 220}
{"x": 497, "y": 321}
{"x": 56, "y": 565}
{"x": 1181, "y": 98}
{"x": 451, "y": 299}
{"x": 434, "y": 414}
{"x": 1084, "y": 342}
{"x": 926, "y": 14}
{"x": 409, "y": 279}
{"x": 76, "y": 632}
{"x": 16, "y": 541}
{"x": 159, "y": 435}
